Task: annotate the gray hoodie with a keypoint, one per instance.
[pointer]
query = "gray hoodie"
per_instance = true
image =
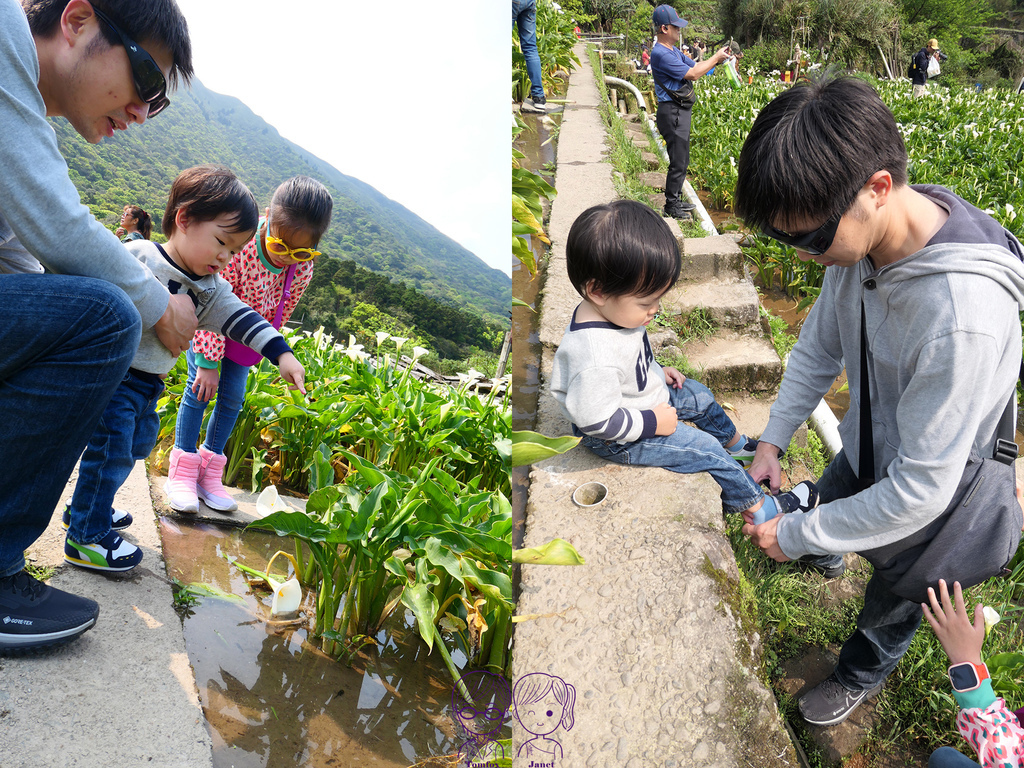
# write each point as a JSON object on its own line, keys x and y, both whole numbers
{"x": 42, "y": 218}
{"x": 944, "y": 343}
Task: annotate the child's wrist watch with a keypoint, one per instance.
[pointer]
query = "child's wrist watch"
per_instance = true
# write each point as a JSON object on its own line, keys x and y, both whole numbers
{"x": 967, "y": 676}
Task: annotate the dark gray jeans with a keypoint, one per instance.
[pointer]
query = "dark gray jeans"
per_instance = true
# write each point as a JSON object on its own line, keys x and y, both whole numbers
{"x": 886, "y": 623}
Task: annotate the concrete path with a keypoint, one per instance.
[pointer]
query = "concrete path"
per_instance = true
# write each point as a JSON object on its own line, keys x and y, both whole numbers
{"x": 646, "y": 632}
{"x": 123, "y": 694}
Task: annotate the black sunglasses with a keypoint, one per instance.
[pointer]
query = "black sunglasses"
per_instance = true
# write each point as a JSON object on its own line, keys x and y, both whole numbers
{"x": 150, "y": 83}
{"x": 815, "y": 243}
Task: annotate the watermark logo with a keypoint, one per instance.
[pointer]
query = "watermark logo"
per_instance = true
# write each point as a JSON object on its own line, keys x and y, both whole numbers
{"x": 543, "y": 704}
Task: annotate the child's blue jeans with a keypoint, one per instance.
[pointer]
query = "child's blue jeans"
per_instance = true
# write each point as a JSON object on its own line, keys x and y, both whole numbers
{"x": 689, "y": 450}
{"x": 126, "y": 433}
{"x": 230, "y": 398}
{"x": 947, "y": 757}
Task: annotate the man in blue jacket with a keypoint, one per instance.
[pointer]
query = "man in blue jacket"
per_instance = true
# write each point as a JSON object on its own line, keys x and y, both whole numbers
{"x": 671, "y": 67}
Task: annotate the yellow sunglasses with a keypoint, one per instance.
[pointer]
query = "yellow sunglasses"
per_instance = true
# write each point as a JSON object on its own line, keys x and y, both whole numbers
{"x": 277, "y": 247}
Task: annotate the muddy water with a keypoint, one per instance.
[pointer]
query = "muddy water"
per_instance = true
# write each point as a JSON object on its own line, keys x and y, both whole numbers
{"x": 272, "y": 700}
{"x": 539, "y": 149}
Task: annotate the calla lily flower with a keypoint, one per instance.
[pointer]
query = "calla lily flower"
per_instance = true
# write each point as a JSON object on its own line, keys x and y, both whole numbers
{"x": 287, "y": 594}
{"x": 991, "y": 618}
{"x": 418, "y": 352}
{"x": 269, "y": 501}
{"x": 399, "y": 341}
{"x": 382, "y": 336}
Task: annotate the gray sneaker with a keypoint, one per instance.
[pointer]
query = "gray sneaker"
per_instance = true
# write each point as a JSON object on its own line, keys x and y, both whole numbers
{"x": 829, "y": 703}
{"x": 540, "y": 106}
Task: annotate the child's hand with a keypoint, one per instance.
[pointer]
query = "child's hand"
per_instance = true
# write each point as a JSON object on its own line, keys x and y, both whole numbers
{"x": 292, "y": 371}
{"x": 667, "y": 418}
{"x": 960, "y": 639}
{"x": 673, "y": 377}
{"x": 205, "y": 385}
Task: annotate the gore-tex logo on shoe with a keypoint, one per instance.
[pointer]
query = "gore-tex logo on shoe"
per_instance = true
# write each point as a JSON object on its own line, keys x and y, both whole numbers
{"x": 12, "y": 620}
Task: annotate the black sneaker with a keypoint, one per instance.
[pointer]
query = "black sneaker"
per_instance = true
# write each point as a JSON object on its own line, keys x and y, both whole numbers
{"x": 676, "y": 212}
{"x": 119, "y": 518}
{"x": 821, "y": 564}
{"x": 34, "y": 615}
{"x": 802, "y": 498}
{"x": 829, "y": 703}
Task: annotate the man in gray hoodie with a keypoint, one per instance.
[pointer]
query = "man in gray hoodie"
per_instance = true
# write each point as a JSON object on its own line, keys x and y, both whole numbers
{"x": 941, "y": 283}
{"x": 68, "y": 337}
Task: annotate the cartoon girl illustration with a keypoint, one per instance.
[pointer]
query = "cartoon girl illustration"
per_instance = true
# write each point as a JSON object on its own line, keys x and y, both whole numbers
{"x": 479, "y": 720}
{"x": 543, "y": 703}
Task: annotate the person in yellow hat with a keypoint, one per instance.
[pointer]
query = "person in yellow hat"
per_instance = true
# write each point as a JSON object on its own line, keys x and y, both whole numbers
{"x": 919, "y": 67}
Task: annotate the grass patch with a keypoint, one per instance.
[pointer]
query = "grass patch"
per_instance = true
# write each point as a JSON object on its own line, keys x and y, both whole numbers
{"x": 794, "y": 610}
{"x": 812, "y": 459}
{"x": 40, "y": 572}
{"x": 699, "y": 325}
{"x": 778, "y": 329}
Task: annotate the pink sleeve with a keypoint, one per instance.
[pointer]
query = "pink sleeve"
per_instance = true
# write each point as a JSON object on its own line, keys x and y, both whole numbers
{"x": 303, "y": 274}
{"x": 995, "y": 734}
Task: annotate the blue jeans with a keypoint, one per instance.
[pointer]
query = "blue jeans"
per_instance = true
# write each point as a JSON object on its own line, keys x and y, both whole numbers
{"x": 886, "y": 623}
{"x": 126, "y": 433}
{"x": 524, "y": 16}
{"x": 947, "y": 757}
{"x": 690, "y": 450}
{"x": 230, "y": 398}
{"x": 65, "y": 343}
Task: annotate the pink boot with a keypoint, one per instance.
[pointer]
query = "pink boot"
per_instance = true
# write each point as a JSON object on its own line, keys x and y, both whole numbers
{"x": 181, "y": 481}
{"x": 210, "y": 488}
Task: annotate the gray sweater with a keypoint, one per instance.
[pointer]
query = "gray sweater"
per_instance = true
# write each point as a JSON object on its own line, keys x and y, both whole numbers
{"x": 944, "y": 345}
{"x": 607, "y": 382}
{"x": 217, "y": 309}
{"x": 42, "y": 218}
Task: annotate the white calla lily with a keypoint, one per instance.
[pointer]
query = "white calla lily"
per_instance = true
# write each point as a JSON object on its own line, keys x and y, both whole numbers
{"x": 418, "y": 352}
{"x": 269, "y": 501}
{"x": 382, "y": 336}
{"x": 991, "y": 618}
{"x": 399, "y": 341}
{"x": 287, "y": 594}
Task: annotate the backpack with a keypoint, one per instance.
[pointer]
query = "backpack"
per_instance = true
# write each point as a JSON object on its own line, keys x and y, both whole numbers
{"x": 910, "y": 69}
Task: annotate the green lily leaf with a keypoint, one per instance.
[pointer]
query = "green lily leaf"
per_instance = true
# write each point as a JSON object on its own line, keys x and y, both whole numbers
{"x": 296, "y": 524}
{"x": 555, "y": 552}
{"x": 421, "y": 601}
{"x": 530, "y": 447}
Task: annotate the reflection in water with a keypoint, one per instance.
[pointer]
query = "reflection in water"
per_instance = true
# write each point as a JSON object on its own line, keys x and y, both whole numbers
{"x": 272, "y": 699}
{"x": 539, "y": 152}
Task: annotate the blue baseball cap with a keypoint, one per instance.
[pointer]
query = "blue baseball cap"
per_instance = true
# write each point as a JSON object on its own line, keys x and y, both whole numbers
{"x": 666, "y": 14}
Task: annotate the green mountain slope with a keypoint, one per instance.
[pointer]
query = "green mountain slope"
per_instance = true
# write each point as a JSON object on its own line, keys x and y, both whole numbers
{"x": 201, "y": 126}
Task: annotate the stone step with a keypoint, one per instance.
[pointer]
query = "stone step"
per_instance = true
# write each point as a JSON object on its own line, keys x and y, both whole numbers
{"x": 732, "y": 360}
{"x": 706, "y": 257}
{"x": 731, "y": 303}
{"x": 653, "y": 179}
{"x": 651, "y": 160}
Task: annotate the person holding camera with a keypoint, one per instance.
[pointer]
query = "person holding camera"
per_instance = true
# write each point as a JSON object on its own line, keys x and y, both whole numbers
{"x": 674, "y": 73}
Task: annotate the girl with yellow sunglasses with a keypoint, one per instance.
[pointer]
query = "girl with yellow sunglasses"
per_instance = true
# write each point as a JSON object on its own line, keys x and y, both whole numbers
{"x": 269, "y": 274}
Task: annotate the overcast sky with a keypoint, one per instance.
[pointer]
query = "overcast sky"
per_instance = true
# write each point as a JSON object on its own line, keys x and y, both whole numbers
{"x": 411, "y": 98}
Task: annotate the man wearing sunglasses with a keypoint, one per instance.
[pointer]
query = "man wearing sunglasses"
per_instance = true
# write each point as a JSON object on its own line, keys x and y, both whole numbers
{"x": 824, "y": 170}
{"x": 68, "y": 337}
